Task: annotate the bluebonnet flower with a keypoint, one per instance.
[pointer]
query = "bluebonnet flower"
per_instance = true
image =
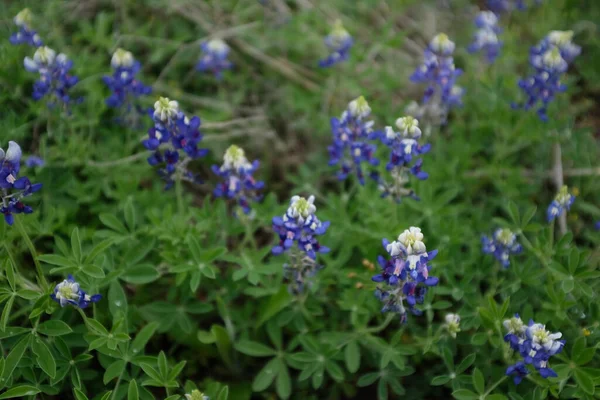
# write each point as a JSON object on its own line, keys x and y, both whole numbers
{"x": 550, "y": 60}
{"x": 350, "y": 147}
{"x": 12, "y": 188}
{"x": 196, "y": 395}
{"x": 300, "y": 226}
{"x": 486, "y": 37}
{"x": 597, "y": 226}
{"x": 174, "y": 141}
{"x": 404, "y": 157}
{"x": 124, "y": 85}
{"x": 439, "y": 73}
{"x": 405, "y": 274}
{"x": 501, "y": 245}
{"x": 238, "y": 182}
{"x": 535, "y": 344}
{"x": 69, "y": 292}
{"x": 338, "y": 42}
{"x": 214, "y": 57}
{"x": 452, "y": 324}
{"x": 561, "y": 203}
{"x": 34, "y": 161}
{"x": 55, "y": 79}
{"x": 25, "y": 35}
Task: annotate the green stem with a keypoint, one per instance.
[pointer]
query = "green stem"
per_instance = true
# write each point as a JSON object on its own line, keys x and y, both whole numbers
{"x": 117, "y": 385}
{"x": 495, "y": 385}
{"x": 384, "y": 324}
{"x": 41, "y": 278}
{"x": 551, "y": 239}
{"x": 179, "y": 194}
{"x": 527, "y": 244}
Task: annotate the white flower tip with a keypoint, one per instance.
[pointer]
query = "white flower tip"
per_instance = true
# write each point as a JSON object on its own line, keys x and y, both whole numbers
{"x": 359, "y": 107}
{"x": 441, "y": 43}
{"x": 122, "y": 58}
{"x": 24, "y": 18}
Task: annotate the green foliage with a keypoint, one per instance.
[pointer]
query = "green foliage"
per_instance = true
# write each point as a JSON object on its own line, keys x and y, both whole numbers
{"x": 193, "y": 298}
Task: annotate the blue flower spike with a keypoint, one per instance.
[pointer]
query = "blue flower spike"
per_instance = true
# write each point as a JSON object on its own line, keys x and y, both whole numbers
{"x": 238, "y": 182}
{"x": 561, "y": 203}
{"x": 338, "y": 42}
{"x": 26, "y": 35}
{"x": 351, "y": 148}
{"x": 534, "y": 344}
{"x": 69, "y": 292}
{"x": 12, "y": 188}
{"x": 502, "y": 244}
{"x": 405, "y": 275}
{"x": 298, "y": 230}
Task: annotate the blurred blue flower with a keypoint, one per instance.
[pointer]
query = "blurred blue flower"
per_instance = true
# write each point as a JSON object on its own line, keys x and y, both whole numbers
{"x": 404, "y": 160}
{"x": 214, "y": 58}
{"x": 300, "y": 226}
{"x": 535, "y": 344}
{"x": 502, "y": 6}
{"x": 561, "y": 203}
{"x": 406, "y": 274}
{"x": 174, "y": 141}
{"x": 550, "y": 60}
{"x": 439, "y": 73}
{"x": 124, "y": 86}
{"x": 237, "y": 180}
{"x": 486, "y": 37}
{"x": 55, "y": 79}
{"x": 34, "y": 161}
{"x": 597, "y": 225}
{"x": 501, "y": 245}
{"x": 350, "y": 147}
{"x": 69, "y": 292}
{"x": 338, "y": 42}
{"x": 25, "y": 35}
{"x": 13, "y": 189}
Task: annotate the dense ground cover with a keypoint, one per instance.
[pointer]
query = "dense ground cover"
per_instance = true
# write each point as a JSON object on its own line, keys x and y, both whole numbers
{"x": 194, "y": 294}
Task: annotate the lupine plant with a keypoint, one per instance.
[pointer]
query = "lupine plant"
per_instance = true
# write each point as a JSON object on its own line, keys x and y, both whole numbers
{"x": 55, "y": 79}
{"x": 125, "y": 87}
{"x": 486, "y": 37}
{"x": 269, "y": 282}
{"x": 26, "y": 35}
{"x": 214, "y": 58}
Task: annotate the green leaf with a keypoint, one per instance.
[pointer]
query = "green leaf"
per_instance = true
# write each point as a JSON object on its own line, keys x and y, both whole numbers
{"x": 96, "y": 327}
{"x": 114, "y": 370}
{"x": 584, "y": 380}
{"x": 206, "y": 337}
{"x": 223, "y": 393}
{"x": 352, "y": 356}
{"x": 465, "y": 363}
{"x": 275, "y": 304}
{"x": 334, "y": 371}
{"x": 440, "y": 380}
{"x": 130, "y": 214}
{"x": 76, "y": 244}
{"x": 113, "y": 223}
{"x": 138, "y": 252}
{"x": 98, "y": 250}
{"x": 44, "y": 357}
{"x": 29, "y": 294}
{"x": 163, "y": 365}
{"x": 54, "y": 259}
{"x": 10, "y": 274}
{"x": 93, "y": 271}
{"x": 513, "y": 212}
{"x": 529, "y": 214}
{"x": 140, "y": 274}
{"x": 254, "y": 349}
{"x": 79, "y": 395}
{"x": 20, "y": 391}
{"x": 284, "y": 383}
{"x": 132, "y": 391}
{"x": 106, "y": 395}
{"x": 223, "y": 342}
{"x": 496, "y": 397}
{"x": 478, "y": 381}
{"x": 6, "y": 312}
{"x": 266, "y": 375}
{"x": 117, "y": 300}
{"x": 367, "y": 379}
{"x": 568, "y": 284}
{"x": 54, "y": 327}
{"x": 464, "y": 394}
